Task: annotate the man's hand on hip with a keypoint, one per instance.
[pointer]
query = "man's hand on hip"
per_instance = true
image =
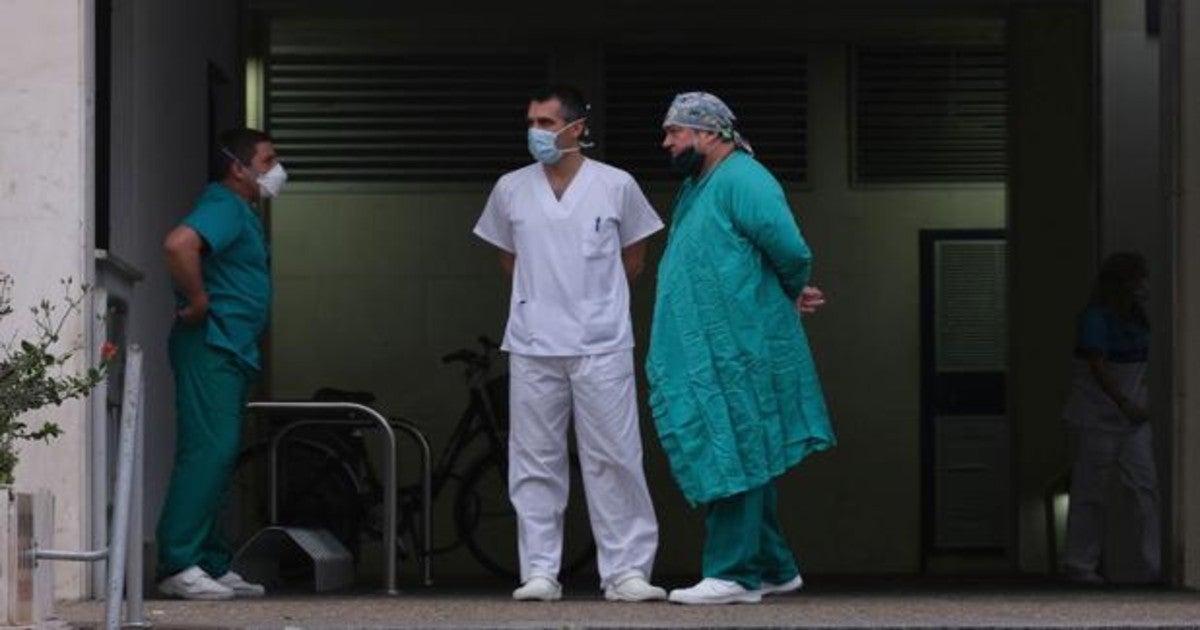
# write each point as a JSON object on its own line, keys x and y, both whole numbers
{"x": 811, "y": 298}
{"x": 196, "y": 309}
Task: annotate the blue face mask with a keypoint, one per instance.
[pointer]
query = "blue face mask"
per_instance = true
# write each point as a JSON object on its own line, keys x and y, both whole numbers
{"x": 543, "y": 145}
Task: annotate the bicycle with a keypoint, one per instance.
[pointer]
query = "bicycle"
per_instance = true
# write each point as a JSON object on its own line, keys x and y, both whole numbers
{"x": 327, "y": 479}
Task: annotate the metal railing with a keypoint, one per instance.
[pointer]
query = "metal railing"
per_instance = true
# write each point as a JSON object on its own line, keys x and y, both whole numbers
{"x": 374, "y": 420}
{"x": 126, "y": 518}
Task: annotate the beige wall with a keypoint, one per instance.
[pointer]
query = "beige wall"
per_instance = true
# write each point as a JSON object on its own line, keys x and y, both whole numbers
{"x": 45, "y": 210}
{"x": 374, "y": 287}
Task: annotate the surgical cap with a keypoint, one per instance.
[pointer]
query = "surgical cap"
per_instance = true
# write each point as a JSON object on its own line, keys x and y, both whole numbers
{"x": 704, "y": 111}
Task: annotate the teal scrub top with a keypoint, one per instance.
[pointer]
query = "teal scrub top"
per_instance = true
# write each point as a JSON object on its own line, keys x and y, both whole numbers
{"x": 733, "y": 388}
{"x": 236, "y": 271}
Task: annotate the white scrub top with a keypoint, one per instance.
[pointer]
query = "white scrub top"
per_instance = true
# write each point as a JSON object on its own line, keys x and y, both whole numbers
{"x": 570, "y": 296}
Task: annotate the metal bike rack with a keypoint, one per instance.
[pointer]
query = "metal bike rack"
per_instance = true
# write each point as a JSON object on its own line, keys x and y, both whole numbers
{"x": 376, "y": 420}
{"x": 125, "y": 549}
{"x": 426, "y": 496}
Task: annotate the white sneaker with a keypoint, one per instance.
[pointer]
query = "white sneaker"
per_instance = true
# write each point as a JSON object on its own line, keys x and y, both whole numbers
{"x": 539, "y": 588}
{"x": 194, "y": 583}
{"x": 633, "y": 588}
{"x": 241, "y": 588}
{"x": 715, "y": 591}
{"x": 793, "y": 584}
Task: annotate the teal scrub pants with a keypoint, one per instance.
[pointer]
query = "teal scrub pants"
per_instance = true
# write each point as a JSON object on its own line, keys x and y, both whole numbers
{"x": 744, "y": 543}
{"x": 211, "y": 386}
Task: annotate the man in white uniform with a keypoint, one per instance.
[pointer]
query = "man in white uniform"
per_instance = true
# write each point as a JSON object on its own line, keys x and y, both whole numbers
{"x": 571, "y": 235}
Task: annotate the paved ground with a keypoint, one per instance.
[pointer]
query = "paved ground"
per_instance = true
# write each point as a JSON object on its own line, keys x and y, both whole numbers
{"x": 961, "y": 604}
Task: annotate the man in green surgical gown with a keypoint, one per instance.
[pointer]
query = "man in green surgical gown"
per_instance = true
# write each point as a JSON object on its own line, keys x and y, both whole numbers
{"x": 734, "y": 392}
{"x": 217, "y": 259}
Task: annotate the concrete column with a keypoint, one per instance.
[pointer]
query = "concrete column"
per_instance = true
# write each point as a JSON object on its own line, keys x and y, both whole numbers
{"x": 1051, "y": 222}
{"x": 1130, "y": 203}
{"x": 1133, "y": 218}
{"x": 1182, "y": 88}
{"x": 46, "y": 217}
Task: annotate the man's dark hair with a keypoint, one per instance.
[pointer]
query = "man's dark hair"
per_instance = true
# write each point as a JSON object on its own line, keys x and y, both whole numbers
{"x": 1115, "y": 284}
{"x": 574, "y": 106}
{"x": 235, "y": 144}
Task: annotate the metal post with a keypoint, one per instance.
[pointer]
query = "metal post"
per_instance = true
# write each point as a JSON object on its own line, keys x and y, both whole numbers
{"x": 99, "y": 452}
{"x": 427, "y": 497}
{"x": 131, "y": 410}
{"x": 273, "y": 481}
{"x": 128, "y": 475}
{"x": 134, "y": 606}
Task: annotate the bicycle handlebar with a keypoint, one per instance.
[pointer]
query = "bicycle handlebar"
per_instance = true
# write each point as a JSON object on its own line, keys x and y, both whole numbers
{"x": 474, "y": 360}
{"x": 471, "y": 356}
{"x": 463, "y": 356}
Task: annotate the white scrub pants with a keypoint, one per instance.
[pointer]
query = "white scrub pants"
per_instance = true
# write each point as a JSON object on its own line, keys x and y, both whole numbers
{"x": 544, "y": 392}
{"x": 1097, "y": 454}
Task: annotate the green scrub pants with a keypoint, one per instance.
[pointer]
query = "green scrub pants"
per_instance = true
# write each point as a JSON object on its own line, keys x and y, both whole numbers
{"x": 744, "y": 543}
{"x": 211, "y": 386}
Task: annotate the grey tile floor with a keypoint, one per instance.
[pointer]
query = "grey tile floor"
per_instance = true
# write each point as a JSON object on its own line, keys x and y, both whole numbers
{"x": 840, "y": 603}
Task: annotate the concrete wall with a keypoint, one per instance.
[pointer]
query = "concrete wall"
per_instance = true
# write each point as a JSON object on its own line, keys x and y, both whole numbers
{"x": 158, "y": 164}
{"x": 1131, "y": 205}
{"x": 1133, "y": 215}
{"x": 160, "y": 113}
{"x": 1182, "y": 85}
{"x": 374, "y": 286}
{"x": 1052, "y": 222}
{"x": 45, "y": 218}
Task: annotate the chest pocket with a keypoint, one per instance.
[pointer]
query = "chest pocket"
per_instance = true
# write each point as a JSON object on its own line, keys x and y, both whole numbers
{"x": 602, "y": 238}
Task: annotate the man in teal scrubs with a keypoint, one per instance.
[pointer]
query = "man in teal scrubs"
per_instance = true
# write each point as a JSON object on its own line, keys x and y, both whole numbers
{"x": 733, "y": 388}
{"x": 218, "y": 261}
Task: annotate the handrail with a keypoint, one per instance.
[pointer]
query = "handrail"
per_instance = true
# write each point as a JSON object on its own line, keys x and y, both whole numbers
{"x": 128, "y": 476}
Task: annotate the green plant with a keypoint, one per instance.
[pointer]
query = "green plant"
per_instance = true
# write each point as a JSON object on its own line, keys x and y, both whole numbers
{"x": 34, "y": 371}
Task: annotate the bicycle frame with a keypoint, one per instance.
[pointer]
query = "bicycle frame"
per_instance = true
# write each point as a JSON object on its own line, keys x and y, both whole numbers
{"x": 476, "y": 420}
{"x": 479, "y": 420}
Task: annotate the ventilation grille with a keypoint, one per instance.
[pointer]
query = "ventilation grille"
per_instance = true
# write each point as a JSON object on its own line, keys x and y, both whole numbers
{"x": 971, "y": 327}
{"x": 767, "y": 91}
{"x": 971, "y": 482}
{"x": 400, "y": 117}
{"x": 930, "y": 114}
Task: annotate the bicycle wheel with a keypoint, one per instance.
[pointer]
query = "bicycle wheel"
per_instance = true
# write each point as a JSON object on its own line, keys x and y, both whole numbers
{"x": 487, "y": 524}
{"x": 318, "y": 487}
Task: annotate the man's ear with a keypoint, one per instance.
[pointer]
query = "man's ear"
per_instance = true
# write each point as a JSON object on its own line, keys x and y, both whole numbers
{"x": 579, "y": 128}
{"x": 236, "y": 168}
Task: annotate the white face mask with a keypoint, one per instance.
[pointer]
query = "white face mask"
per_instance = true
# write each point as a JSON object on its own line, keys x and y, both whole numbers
{"x": 271, "y": 182}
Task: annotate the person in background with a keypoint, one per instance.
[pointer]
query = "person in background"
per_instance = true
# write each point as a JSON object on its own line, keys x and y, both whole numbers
{"x": 1107, "y": 415}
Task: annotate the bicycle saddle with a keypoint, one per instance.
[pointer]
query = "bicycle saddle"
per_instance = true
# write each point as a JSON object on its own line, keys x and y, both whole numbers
{"x": 333, "y": 394}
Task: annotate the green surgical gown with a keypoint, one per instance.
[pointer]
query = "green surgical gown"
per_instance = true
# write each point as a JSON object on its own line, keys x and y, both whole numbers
{"x": 733, "y": 388}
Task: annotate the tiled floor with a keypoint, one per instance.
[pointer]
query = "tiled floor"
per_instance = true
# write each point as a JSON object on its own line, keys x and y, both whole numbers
{"x": 875, "y": 603}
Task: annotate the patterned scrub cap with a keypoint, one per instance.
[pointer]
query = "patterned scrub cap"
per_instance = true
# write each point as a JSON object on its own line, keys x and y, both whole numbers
{"x": 704, "y": 111}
